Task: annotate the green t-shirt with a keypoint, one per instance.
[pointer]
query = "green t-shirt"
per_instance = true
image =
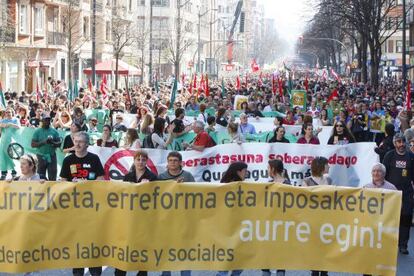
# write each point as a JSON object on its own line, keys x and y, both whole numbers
{"x": 40, "y": 135}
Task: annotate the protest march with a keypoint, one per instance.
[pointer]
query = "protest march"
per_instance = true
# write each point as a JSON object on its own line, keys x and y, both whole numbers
{"x": 333, "y": 146}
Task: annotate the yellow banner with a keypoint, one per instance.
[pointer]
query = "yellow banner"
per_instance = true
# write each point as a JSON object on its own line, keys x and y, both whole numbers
{"x": 198, "y": 226}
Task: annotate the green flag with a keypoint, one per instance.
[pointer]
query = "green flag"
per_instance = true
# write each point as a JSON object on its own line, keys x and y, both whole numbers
{"x": 223, "y": 89}
{"x": 173, "y": 93}
{"x": 2, "y": 100}
{"x": 70, "y": 94}
{"x": 75, "y": 90}
{"x": 157, "y": 87}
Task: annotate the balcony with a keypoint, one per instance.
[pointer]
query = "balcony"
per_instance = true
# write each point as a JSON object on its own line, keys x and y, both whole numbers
{"x": 55, "y": 38}
{"x": 7, "y": 34}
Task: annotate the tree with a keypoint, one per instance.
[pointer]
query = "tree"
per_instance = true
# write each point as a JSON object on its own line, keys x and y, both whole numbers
{"x": 373, "y": 21}
{"x": 177, "y": 45}
{"x": 122, "y": 35}
{"x": 72, "y": 27}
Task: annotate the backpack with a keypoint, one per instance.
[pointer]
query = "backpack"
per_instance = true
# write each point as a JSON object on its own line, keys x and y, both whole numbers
{"x": 147, "y": 143}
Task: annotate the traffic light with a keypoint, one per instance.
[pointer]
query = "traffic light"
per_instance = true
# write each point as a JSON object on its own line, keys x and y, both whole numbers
{"x": 242, "y": 19}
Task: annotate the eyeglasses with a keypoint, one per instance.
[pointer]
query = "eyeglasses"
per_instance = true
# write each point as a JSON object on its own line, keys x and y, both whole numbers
{"x": 339, "y": 126}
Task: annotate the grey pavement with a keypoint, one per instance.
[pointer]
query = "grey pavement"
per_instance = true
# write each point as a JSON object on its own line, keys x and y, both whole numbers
{"x": 405, "y": 268}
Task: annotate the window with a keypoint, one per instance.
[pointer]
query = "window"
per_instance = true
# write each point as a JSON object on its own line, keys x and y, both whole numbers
{"x": 39, "y": 19}
{"x": 141, "y": 3}
{"x": 398, "y": 46}
{"x": 108, "y": 31}
{"x": 161, "y": 3}
{"x": 23, "y": 22}
{"x": 390, "y": 46}
{"x": 130, "y": 5}
{"x": 86, "y": 27}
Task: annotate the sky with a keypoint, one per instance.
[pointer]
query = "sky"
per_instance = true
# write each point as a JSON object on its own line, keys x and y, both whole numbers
{"x": 290, "y": 16}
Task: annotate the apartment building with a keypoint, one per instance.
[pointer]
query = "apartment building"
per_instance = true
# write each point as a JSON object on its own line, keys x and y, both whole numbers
{"x": 392, "y": 48}
{"x": 37, "y": 35}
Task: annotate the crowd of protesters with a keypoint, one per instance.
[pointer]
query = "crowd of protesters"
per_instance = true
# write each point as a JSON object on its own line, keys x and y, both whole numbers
{"x": 357, "y": 113}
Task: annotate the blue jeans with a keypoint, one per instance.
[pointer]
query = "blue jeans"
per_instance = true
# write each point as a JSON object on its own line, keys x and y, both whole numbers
{"x": 233, "y": 273}
{"x": 183, "y": 273}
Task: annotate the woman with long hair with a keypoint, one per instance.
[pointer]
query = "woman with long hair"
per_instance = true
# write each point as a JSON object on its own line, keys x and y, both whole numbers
{"x": 308, "y": 136}
{"x": 147, "y": 124}
{"x": 106, "y": 140}
{"x": 235, "y": 172}
{"x": 319, "y": 173}
{"x": 132, "y": 141}
{"x": 341, "y": 135}
{"x": 68, "y": 145}
{"x": 62, "y": 120}
{"x": 319, "y": 176}
{"x": 159, "y": 139}
{"x": 278, "y": 174}
{"x": 234, "y": 133}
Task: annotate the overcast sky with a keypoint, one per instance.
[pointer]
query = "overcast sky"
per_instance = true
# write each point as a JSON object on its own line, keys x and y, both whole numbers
{"x": 290, "y": 16}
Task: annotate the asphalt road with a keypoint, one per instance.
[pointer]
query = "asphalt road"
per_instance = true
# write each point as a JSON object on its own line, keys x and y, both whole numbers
{"x": 405, "y": 268}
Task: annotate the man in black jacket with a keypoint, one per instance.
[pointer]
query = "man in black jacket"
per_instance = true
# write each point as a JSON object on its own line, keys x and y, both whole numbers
{"x": 399, "y": 167}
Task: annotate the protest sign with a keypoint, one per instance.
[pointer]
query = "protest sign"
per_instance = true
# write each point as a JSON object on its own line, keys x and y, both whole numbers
{"x": 298, "y": 99}
{"x": 348, "y": 163}
{"x": 209, "y": 227}
{"x": 238, "y": 100}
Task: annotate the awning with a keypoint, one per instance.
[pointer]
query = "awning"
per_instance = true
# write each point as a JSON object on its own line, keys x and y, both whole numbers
{"x": 109, "y": 67}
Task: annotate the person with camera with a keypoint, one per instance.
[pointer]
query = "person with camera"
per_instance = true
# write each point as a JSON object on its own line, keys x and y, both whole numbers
{"x": 46, "y": 140}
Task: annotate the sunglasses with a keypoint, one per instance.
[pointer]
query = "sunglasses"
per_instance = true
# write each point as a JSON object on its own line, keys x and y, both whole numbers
{"x": 339, "y": 126}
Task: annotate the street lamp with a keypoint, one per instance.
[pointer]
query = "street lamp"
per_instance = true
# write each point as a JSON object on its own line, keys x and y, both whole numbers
{"x": 211, "y": 42}
{"x": 199, "y": 37}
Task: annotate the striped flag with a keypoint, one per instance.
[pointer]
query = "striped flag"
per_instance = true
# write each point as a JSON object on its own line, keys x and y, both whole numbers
{"x": 408, "y": 95}
{"x": 173, "y": 93}
{"x": 2, "y": 99}
{"x": 336, "y": 76}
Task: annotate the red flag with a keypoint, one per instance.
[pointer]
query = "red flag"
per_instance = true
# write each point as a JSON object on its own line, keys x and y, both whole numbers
{"x": 195, "y": 81}
{"x": 46, "y": 92}
{"x": 408, "y": 95}
{"x": 306, "y": 84}
{"x": 202, "y": 83}
{"x": 103, "y": 87}
{"x": 37, "y": 91}
{"x": 190, "y": 88}
{"x": 90, "y": 85}
{"x": 260, "y": 82}
{"x": 336, "y": 76}
{"x": 280, "y": 83}
{"x": 255, "y": 67}
{"x": 273, "y": 84}
{"x": 207, "y": 88}
{"x": 333, "y": 95}
{"x": 238, "y": 83}
{"x": 182, "y": 79}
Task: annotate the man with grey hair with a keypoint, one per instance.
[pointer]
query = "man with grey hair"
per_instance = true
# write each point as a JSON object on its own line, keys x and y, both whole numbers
{"x": 399, "y": 171}
{"x": 202, "y": 140}
{"x": 245, "y": 127}
{"x": 82, "y": 165}
{"x": 378, "y": 178}
{"x": 409, "y": 132}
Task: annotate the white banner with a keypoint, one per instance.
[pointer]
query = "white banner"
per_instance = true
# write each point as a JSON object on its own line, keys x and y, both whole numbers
{"x": 349, "y": 164}
{"x": 260, "y": 124}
